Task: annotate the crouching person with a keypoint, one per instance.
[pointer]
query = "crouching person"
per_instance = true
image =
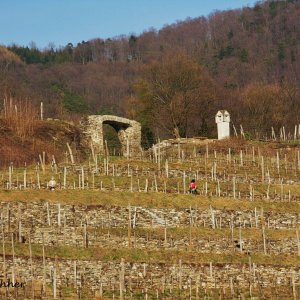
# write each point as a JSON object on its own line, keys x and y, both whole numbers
{"x": 193, "y": 187}
{"x": 52, "y": 184}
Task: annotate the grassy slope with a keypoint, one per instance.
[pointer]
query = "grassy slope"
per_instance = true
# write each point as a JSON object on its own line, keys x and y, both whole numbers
{"x": 161, "y": 256}
{"x": 158, "y": 200}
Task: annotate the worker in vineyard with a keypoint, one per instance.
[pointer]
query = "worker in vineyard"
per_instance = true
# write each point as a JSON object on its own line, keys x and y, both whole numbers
{"x": 193, "y": 187}
{"x": 52, "y": 184}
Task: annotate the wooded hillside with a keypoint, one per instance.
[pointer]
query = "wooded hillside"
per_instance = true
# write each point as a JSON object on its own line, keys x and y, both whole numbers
{"x": 249, "y": 56}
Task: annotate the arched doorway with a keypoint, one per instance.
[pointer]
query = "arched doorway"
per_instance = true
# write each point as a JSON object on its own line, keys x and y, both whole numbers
{"x": 128, "y": 131}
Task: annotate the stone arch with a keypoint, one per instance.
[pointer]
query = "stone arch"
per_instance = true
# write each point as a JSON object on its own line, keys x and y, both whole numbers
{"x": 129, "y": 133}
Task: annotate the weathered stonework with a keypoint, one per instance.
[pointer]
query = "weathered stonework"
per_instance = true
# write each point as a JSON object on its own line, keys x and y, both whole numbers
{"x": 129, "y": 133}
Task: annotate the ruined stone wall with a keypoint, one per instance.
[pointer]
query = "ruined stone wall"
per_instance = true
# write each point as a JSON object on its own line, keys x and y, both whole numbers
{"x": 65, "y": 225}
{"x": 129, "y": 133}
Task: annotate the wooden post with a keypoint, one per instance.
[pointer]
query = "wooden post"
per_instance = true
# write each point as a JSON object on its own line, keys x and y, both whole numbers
{"x": 58, "y": 215}
{"x": 30, "y": 258}
{"x": 42, "y": 163}
{"x": 256, "y": 217}
{"x": 10, "y": 177}
{"x": 231, "y": 288}
{"x": 13, "y": 258}
{"x": 273, "y": 134}
{"x": 184, "y": 186}
{"x": 85, "y": 236}
{"x": 129, "y": 226}
{"x": 262, "y": 170}
{"x": 20, "y": 231}
{"x": 190, "y": 233}
{"x": 134, "y": 218}
{"x": 131, "y": 183}
{"x": 212, "y": 217}
{"x": 180, "y": 275}
{"x": 122, "y": 279}
{"x": 54, "y": 282}
{"x": 65, "y": 177}
{"x": 165, "y": 235}
{"x": 167, "y": 168}
{"x": 42, "y": 111}
{"x": 25, "y": 179}
{"x": 240, "y": 237}
{"x": 96, "y": 164}
{"x": 233, "y": 181}
{"x": 71, "y": 153}
{"x": 241, "y": 157}
{"x": 3, "y": 253}
{"x": 294, "y": 286}
{"x": 93, "y": 180}
{"x": 82, "y": 178}
{"x": 155, "y": 183}
{"x": 75, "y": 274}
{"x": 44, "y": 267}
{"x": 158, "y": 161}
{"x": 298, "y": 241}
{"x": 264, "y": 239}
{"x": 127, "y": 148}
{"x": 38, "y": 180}
{"x": 93, "y": 152}
{"x": 48, "y": 214}
{"x": 8, "y": 217}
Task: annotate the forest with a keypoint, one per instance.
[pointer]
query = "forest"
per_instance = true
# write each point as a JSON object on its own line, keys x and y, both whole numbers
{"x": 173, "y": 80}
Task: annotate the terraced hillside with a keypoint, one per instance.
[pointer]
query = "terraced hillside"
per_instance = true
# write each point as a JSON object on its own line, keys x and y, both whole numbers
{"x": 129, "y": 229}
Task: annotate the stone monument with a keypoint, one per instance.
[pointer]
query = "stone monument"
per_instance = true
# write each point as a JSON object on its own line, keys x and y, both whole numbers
{"x": 223, "y": 123}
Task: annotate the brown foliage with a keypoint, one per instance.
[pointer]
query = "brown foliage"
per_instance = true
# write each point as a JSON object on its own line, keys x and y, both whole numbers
{"x": 262, "y": 106}
{"x": 177, "y": 93}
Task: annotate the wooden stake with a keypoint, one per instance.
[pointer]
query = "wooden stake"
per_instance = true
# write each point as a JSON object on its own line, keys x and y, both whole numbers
{"x": 122, "y": 279}
{"x": 42, "y": 111}
{"x": 298, "y": 241}
{"x": 75, "y": 274}
{"x": 54, "y": 282}
{"x": 264, "y": 240}
{"x": 25, "y": 179}
{"x": 58, "y": 215}
{"x": 129, "y": 226}
{"x": 3, "y": 253}
{"x": 44, "y": 267}
{"x": 233, "y": 181}
{"x": 13, "y": 258}
{"x": 71, "y": 153}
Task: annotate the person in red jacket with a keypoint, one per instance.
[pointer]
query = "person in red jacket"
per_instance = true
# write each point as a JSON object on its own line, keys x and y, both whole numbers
{"x": 193, "y": 187}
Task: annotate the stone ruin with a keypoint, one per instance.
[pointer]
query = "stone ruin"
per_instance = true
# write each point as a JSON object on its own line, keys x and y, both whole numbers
{"x": 129, "y": 133}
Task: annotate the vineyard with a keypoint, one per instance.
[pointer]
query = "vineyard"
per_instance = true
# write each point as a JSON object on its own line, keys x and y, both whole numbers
{"x": 124, "y": 228}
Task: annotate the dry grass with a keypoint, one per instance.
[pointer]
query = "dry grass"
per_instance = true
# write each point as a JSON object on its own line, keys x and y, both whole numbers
{"x": 21, "y": 116}
{"x": 150, "y": 200}
{"x": 182, "y": 232}
{"x": 138, "y": 255}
